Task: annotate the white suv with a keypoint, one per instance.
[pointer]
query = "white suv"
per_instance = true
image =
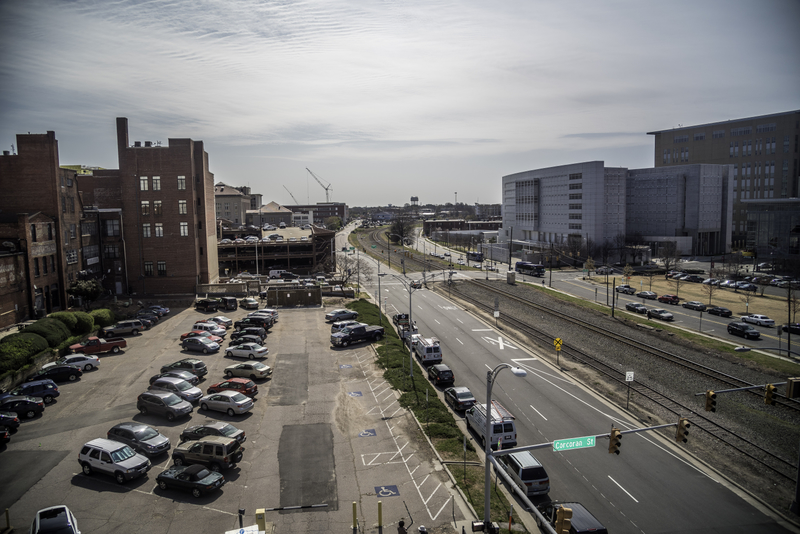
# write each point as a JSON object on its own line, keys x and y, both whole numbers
{"x": 112, "y": 458}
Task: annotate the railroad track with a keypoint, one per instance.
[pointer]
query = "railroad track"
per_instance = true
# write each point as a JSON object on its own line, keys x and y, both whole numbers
{"x": 781, "y": 466}
{"x": 386, "y": 252}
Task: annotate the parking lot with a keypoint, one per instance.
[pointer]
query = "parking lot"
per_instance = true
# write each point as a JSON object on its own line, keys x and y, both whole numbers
{"x": 325, "y": 430}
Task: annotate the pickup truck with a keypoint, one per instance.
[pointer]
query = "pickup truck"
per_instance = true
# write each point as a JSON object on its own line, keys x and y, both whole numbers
{"x": 400, "y": 319}
{"x": 95, "y": 345}
{"x": 356, "y": 334}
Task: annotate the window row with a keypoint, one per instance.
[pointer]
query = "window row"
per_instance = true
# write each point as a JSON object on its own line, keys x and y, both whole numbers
{"x": 158, "y": 230}
{"x": 158, "y": 210}
{"x": 160, "y": 265}
{"x": 37, "y": 271}
{"x": 146, "y": 183}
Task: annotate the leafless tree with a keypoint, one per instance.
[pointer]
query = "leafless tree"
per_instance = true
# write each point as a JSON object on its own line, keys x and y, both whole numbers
{"x": 619, "y": 244}
{"x": 353, "y": 267}
{"x": 635, "y": 245}
{"x": 649, "y": 273}
{"x": 670, "y": 254}
{"x": 746, "y": 297}
{"x": 793, "y": 303}
{"x": 676, "y": 283}
{"x": 710, "y": 289}
{"x": 590, "y": 265}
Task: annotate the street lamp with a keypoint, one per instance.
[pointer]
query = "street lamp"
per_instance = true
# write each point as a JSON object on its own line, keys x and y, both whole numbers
{"x": 403, "y": 241}
{"x": 487, "y": 447}
{"x": 410, "y": 290}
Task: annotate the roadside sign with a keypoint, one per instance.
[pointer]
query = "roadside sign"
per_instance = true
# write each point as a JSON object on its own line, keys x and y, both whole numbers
{"x": 629, "y": 376}
{"x": 573, "y": 443}
{"x": 557, "y": 343}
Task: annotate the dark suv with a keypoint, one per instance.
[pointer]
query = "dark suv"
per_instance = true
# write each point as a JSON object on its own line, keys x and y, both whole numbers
{"x": 744, "y": 330}
{"x": 217, "y": 452}
{"x": 193, "y": 365}
{"x": 441, "y": 375}
{"x": 43, "y": 389}
{"x": 260, "y": 321}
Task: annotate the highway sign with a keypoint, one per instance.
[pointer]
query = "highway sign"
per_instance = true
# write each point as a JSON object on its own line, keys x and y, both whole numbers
{"x": 573, "y": 443}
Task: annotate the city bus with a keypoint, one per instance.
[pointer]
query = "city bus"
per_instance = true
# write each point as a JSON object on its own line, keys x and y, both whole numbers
{"x": 475, "y": 256}
{"x": 532, "y": 269}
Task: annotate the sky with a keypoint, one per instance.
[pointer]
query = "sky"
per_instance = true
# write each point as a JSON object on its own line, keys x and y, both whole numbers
{"x": 385, "y": 100}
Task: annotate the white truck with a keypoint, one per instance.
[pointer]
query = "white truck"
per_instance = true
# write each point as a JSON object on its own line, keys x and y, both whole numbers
{"x": 427, "y": 349}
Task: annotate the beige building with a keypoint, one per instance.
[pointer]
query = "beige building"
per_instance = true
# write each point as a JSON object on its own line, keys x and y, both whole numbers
{"x": 763, "y": 152}
{"x": 231, "y": 203}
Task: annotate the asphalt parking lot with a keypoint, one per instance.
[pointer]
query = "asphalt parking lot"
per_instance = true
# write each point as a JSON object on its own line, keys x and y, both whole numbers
{"x": 325, "y": 430}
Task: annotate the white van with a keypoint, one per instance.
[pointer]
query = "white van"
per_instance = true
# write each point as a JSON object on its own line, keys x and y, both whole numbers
{"x": 276, "y": 273}
{"x": 503, "y": 428}
{"x": 427, "y": 349}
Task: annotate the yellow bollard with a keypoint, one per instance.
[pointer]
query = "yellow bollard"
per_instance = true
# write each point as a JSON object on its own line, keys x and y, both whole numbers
{"x": 380, "y": 516}
{"x": 355, "y": 519}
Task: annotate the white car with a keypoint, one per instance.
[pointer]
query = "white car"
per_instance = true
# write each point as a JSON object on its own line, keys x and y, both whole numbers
{"x": 338, "y": 326}
{"x": 251, "y": 370}
{"x": 760, "y": 320}
{"x": 267, "y": 311}
{"x": 222, "y": 321}
{"x": 230, "y": 402}
{"x": 247, "y": 350}
{"x": 81, "y": 361}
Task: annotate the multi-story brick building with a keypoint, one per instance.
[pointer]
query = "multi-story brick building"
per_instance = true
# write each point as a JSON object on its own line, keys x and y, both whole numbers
{"x": 232, "y": 203}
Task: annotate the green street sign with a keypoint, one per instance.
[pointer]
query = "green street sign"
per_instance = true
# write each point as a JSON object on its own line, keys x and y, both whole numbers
{"x": 573, "y": 443}
{"x": 373, "y": 246}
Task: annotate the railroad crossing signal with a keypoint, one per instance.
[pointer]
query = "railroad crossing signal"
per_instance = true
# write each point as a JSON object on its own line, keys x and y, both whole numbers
{"x": 614, "y": 441}
{"x": 769, "y": 394}
{"x": 557, "y": 343}
{"x": 682, "y": 433}
{"x": 563, "y": 520}
{"x": 711, "y": 401}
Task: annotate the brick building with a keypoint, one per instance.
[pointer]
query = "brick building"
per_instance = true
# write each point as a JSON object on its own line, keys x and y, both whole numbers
{"x": 323, "y": 210}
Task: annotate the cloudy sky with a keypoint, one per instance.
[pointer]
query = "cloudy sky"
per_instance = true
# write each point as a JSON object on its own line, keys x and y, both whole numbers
{"x": 395, "y": 98}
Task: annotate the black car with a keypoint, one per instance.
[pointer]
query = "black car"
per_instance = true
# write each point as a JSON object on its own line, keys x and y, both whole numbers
{"x": 247, "y": 338}
{"x": 719, "y": 310}
{"x": 792, "y": 328}
{"x": 9, "y": 420}
{"x": 140, "y": 437}
{"x": 207, "y": 305}
{"x": 460, "y": 398}
{"x": 441, "y": 375}
{"x": 57, "y": 373}
{"x": 193, "y": 365}
{"x": 5, "y": 435}
{"x": 148, "y": 315}
{"x": 146, "y": 321}
{"x": 636, "y": 307}
{"x": 177, "y": 373}
{"x": 214, "y": 428}
{"x": 22, "y": 406}
{"x": 256, "y": 320}
{"x": 744, "y": 330}
{"x": 250, "y": 331}
{"x": 194, "y": 478}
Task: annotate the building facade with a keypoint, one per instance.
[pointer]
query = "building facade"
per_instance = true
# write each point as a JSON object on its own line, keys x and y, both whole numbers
{"x": 763, "y": 151}
{"x": 323, "y": 210}
{"x": 773, "y": 232}
{"x": 232, "y": 203}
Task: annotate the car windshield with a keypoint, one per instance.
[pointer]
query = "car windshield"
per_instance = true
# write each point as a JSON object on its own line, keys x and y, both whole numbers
{"x": 227, "y": 430}
{"x": 203, "y": 473}
{"x": 146, "y": 433}
{"x": 239, "y": 397}
{"x": 183, "y": 385}
{"x": 463, "y": 394}
{"x": 120, "y": 455}
{"x": 259, "y": 366}
{"x": 172, "y": 400}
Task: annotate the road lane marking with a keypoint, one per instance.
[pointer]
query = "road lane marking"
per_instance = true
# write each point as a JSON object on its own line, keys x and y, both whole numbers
{"x": 459, "y": 341}
{"x": 437, "y": 322}
{"x": 483, "y": 329}
{"x": 537, "y": 411}
{"x": 623, "y": 489}
{"x": 459, "y": 320}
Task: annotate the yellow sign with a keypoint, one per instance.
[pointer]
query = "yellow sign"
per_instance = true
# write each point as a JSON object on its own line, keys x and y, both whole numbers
{"x": 557, "y": 342}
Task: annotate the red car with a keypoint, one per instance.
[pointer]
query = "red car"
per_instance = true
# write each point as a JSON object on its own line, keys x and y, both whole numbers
{"x": 242, "y": 385}
{"x": 201, "y": 333}
{"x": 669, "y": 299}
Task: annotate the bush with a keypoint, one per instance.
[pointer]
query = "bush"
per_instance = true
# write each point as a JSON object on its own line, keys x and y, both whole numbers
{"x": 68, "y": 318}
{"x": 53, "y": 330}
{"x": 84, "y": 323}
{"x": 103, "y": 317}
{"x": 17, "y": 350}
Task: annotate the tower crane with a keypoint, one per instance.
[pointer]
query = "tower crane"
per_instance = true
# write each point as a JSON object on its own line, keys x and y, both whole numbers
{"x": 327, "y": 188}
{"x": 291, "y": 195}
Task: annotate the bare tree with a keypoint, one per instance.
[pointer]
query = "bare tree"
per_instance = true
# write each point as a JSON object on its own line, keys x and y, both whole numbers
{"x": 649, "y": 273}
{"x": 636, "y": 246}
{"x": 605, "y": 251}
{"x": 619, "y": 244}
{"x": 589, "y": 265}
{"x": 710, "y": 289}
{"x": 677, "y": 283}
{"x": 352, "y": 267}
{"x": 746, "y": 298}
{"x": 627, "y": 272}
{"x": 670, "y": 254}
{"x": 793, "y": 303}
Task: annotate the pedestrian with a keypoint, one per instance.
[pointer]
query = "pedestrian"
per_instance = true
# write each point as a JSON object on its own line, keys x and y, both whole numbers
{"x": 401, "y": 529}
{"x": 649, "y": 315}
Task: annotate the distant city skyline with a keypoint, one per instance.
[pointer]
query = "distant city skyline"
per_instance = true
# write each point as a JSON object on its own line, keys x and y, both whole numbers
{"x": 386, "y": 101}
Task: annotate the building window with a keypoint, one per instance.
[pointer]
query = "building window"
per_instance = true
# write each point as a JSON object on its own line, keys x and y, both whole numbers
{"x": 156, "y": 207}
{"x": 576, "y": 176}
{"x": 72, "y": 256}
{"x": 63, "y": 204}
{"x": 35, "y": 266}
{"x": 112, "y": 228}
{"x": 162, "y": 268}
{"x": 156, "y": 183}
{"x": 148, "y": 268}
{"x": 680, "y": 139}
{"x": 111, "y": 251}
{"x": 145, "y": 207}
{"x": 227, "y": 207}
{"x": 762, "y": 128}
{"x": 576, "y": 206}
{"x": 576, "y": 186}
{"x": 575, "y": 216}
{"x": 181, "y": 183}
{"x": 182, "y": 207}
{"x": 159, "y": 230}
{"x": 33, "y": 233}
{"x": 184, "y": 229}
{"x": 575, "y": 196}
{"x": 700, "y": 136}
{"x": 146, "y": 230}
{"x": 574, "y": 226}
{"x": 73, "y": 231}
{"x": 71, "y": 205}
{"x": 53, "y": 263}
{"x": 143, "y": 183}
{"x": 44, "y": 265}
{"x": 719, "y": 134}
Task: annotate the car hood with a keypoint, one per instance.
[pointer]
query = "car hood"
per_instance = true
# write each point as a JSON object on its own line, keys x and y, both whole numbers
{"x": 156, "y": 441}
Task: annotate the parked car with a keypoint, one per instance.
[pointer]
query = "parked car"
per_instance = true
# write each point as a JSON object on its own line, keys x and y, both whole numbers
{"x": 792, "y": 328}
{"x": 54, "y": 520}
{"x": 207, "y": 305}
{"x": 746, "y": 286}
{"x": 637, "y": 307}
{"x": 177, "y": 373}
{"x": 659, "y": 313}
{"x": 212, "y": 328}
{"x": 94, "y": 345}
{"x": 57, "y": 373}
{"x": 199, "y": 344}
{"x": 760, "y": 320}
{"x": 340, "y": 315}
{"x": 647, "y": 295}
{"x": 83, "y": 361}
{"x": 669, "y": 299}
{"x": 202, "y": 333}
{"x": 711, "y": 282}
{"x": 112, "y": 458}
{"x": 230, "y": 402}
{"x": 727, "y": 283}
{"x": 694, "y": 278}
{"x": 694, "y": 305}
{"x": 416, "y": 284}
{"x": 625, "y": 288}
{"x": 42, "y": 389}
{"x": 242, "y": 385}
{"x": 147, "y": 314}
{"x": 247, "y": 350}
{"x": 157, "y": 308}
{"x": 196, "y": 479}
{"x": 163, "y": 403}
{"x": 222, "y": 321}
{"x": 216, "y": 452}
{"x": 248, "y": 331}
{"x": 459, "y": 397}
{"x": 22, "y": 406}
{"x": 181, "y": 388}
{"x": 213, "y": 428}
{"x": 253, "y": 371}
{"x": 440, "y": 374}
{"x": 249, "y": 304}
{"x": 142, "y": 438}
{"x": 338, "y": 326}
{"x": 527, "y": 472}
{"x": 604, "y": 270}
{"x": 130, "y": 326}
{"x": 9, "y": 420}
{"x": 261, "y": 321}
{"x": 718, "y": 310}
{"x": 246, "y": 339}
{"x": 744, "y": 330}
{"x": 192, "y": 365}
{"x": 267, "y": 311}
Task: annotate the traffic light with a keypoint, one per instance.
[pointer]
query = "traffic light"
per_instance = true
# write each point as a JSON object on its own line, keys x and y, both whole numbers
{"x": 614, "y": 441}
{"x": 563, "y": 520}
{"x": 769, "y": 395}
{"x": 711, "y": 401}
{"x": 682, "y": 433}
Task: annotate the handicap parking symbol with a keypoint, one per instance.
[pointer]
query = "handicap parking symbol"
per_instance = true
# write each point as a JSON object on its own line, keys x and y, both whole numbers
{"x": 387, "y": 491}
{"x": 355, "y": 394}
{"x": 368, "y": 433}
{"x": 345, "y": 366}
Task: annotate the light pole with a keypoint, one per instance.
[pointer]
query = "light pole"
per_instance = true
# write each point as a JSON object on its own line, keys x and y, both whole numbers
{"x": 403, "y": 241}
{"x": 487, "y": 447}
{"x": 410, "y": 290}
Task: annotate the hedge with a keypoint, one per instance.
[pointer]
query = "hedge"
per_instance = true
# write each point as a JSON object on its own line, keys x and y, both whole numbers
{"x": 68, "y": 318}
{"x": 103, "y": 317}
{"x": 53, "y": 330}
{"x": 85, "y": 322}
{"x": 17, "y": 350}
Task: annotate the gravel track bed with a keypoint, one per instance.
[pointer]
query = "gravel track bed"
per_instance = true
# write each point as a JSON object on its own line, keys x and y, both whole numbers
{"x": 775, "y": 429}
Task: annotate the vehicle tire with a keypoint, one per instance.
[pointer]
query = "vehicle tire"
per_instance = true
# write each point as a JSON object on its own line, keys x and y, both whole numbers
{"x": 88, "y": 367}
{"x": 178, "y": 460}
{"x": 205, "y": 351}
{"x": 115, "y": 349}
{"x": 252, "y": 377}
{"x": 135, "y": 333}
{"x": 162, "y": 484}
{"x": 345, "y": 343}
{"x": 143, "y": 410}
{"x": 87, "y": 470}
{"x": 251, "y": 356}
{"x": 215, "y": 467}
{"x": 196, "y": 493}
{"x": 231, "y": 412}
{"x": 47, "y": 399}
{"x": 72, "y": 378}
{"x": 228, "y": 354}
{"x": 237, "y": 328}
{"x": 170, "y": 416}
{"x": 30, "y": 414}
{"x": 204, "y": 406}
{"x": 378, "y": 337}
{"x": 119, "y": 477}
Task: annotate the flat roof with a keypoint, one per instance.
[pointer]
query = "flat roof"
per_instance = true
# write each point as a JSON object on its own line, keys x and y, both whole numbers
{"x": 759, "y": 117}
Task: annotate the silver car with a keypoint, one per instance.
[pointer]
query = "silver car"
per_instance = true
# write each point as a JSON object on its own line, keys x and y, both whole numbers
{"x": 230, "y": 402}
{"x": 179, "y": 387}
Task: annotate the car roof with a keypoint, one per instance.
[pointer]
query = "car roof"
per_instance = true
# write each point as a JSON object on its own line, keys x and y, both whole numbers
{"x": 108, "y": 444}
{"x": 131, "y": 425}
{"x": 194, "y": 469}
{"x": 169, "y": 379}
{"x": 526, "y": 459}
{"x": 226, "y": 392}
{"x": 159, "y": 394}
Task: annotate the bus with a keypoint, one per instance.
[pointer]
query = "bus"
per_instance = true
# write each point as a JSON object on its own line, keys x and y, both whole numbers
{"x": 526, "y": 267}
{"x": 475, "y": 256}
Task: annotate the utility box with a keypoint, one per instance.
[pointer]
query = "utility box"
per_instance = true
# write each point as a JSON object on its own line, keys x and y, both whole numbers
{"x": 511, "y": 277}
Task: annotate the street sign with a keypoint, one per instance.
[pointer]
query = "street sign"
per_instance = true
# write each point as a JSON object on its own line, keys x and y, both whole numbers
{"x": 629, "y": 376}
{"x": 557, "y": 343}
{"x": 573, "y": 443}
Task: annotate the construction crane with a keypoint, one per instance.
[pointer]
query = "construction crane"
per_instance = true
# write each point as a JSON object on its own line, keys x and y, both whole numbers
{"x": 327, "y": 188}
{"x": 291, "y": 195}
